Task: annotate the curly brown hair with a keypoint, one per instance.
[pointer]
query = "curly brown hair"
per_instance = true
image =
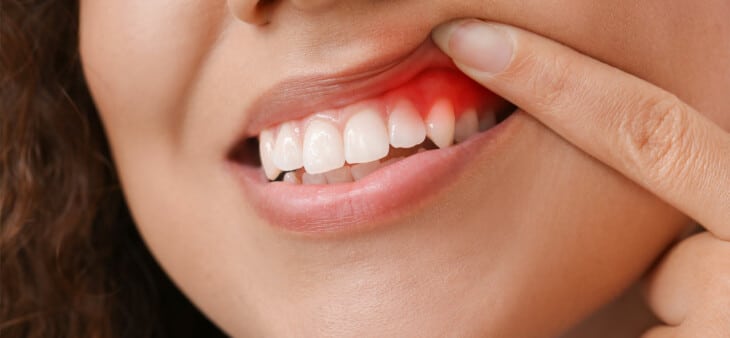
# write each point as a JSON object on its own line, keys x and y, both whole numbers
{"x": 72, "y": 262}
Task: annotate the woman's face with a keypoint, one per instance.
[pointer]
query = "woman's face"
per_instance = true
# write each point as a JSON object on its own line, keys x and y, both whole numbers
{"x": 522, "y": 237}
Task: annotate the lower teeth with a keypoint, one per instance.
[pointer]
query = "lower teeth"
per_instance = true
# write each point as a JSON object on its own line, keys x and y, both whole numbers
{"x": 346, "y": 173}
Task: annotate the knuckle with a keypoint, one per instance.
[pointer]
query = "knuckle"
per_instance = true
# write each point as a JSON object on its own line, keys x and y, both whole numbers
{"x": 655, "y": 139}
{"x": 550, "y": 79}
{"x": 659, "y": 332}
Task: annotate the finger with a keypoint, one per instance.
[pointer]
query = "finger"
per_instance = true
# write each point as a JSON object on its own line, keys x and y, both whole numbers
{"x": 640, "y": 130}
{"x": 711, "y": 320}
{"x": 691, "y": 285}
{"x": 706, "y": 330}
{"x": 660, "y": 332}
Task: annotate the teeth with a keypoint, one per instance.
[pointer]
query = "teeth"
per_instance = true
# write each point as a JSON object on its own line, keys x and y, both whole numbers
{"x": 288, "y": 148}
{"x": 361, "y": 170}
{"x": 405, "y": 126}
{"x": 314, "y": 178}
{"x": 466, "y": 126}
{"x": 291, "y": 178}
{"x": 440, "y": 123}
{"x": 266, "y": 150}
{"x": 340, "y": 175}
{"x": 487, "y": 121}
{"x": 366, "y": 138}
{"x": 323, "y": 149}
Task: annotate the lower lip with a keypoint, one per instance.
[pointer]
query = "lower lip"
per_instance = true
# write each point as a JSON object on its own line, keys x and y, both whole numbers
{"x": 390, "y": 193}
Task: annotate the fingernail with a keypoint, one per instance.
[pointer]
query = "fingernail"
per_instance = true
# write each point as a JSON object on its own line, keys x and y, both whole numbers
{"x": 475, "y": 44}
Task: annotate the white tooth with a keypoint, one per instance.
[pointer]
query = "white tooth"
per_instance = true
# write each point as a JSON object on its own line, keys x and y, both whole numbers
{"x": 266, "y": 150}
{"x": 366, "y": 137}
{"x": 314, "y": 178}
{"x": 288, "y": 148}
{"x": 405, "y": 125}
{"x": 341, "y": 175}
{"x": 440, "y": 123}
{"x": 363, "y": 169}
{"x": 291, "y": 178}
{"x": 323, "y": 149}
{"x": 488, "y": 120}
{"x": 466, "y": 126}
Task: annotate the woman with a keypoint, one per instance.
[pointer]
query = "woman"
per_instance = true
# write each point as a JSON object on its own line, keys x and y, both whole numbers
{"x": 512, "y": 231}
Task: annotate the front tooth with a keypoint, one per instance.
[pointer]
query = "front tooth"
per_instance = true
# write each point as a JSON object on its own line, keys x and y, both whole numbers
{"x": 366, "y": 137}
{"x": 288, "y": 148}
{"x": 323, "y": 149}
{"x": 291, "y": 178}
{"x": 466, "y": 126}
{"x": 313, "y": 178}
{"x": 341, "y": 175}
{"x": 266, "y": 151}
{"x": 405, "y": 125}
{"x": 361, "y": 170}
{"x": 488, "y": 120}
{"x": 440, "y": 123}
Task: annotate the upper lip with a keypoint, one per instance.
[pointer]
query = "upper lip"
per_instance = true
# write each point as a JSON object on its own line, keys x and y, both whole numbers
{"x": 298, "y": 97}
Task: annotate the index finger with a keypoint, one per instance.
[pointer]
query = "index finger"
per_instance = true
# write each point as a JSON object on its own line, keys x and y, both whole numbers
{"x": 644, "y": 132}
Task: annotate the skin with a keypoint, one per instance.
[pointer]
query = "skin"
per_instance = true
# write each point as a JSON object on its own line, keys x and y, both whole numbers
{"x": 648, "y": 134}
{"x": 536, "y": 240}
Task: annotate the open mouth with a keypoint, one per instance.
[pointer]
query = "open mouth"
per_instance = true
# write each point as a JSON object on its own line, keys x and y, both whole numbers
{"x": 347, "y": 164}
{"x": 437, "y": 109}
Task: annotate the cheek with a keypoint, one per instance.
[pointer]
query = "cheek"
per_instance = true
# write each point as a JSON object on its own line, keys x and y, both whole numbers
{"x": 140, "y": 57}
{"x": 558, "y": 221}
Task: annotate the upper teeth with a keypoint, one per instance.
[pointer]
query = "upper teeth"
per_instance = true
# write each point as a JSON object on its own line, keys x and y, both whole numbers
{"x": 467, "y": 125}
{"x": 266, "y": 151}
{"x": 405, "y": 125}
{"x": 288, "y": 148}
{"x": 366, "y": 137}
{"x": 440, "y": 123}
{"x": 361, "y": 133}
{"x": 322, "y": 147}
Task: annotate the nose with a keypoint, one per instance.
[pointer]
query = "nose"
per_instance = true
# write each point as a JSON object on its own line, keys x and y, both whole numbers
{"x": 258, "y": 12}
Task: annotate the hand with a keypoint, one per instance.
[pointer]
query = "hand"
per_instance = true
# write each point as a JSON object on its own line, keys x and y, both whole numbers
{"x": 642, "y": 131}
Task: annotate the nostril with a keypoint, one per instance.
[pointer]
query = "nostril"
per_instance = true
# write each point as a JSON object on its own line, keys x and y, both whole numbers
{"x": 255, "y": 12}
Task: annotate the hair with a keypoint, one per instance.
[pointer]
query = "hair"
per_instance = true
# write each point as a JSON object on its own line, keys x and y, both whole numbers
{"x": 72, "y": 262}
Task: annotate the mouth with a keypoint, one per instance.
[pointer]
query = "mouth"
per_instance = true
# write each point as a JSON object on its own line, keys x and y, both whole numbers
{"x": 324, "y": 155}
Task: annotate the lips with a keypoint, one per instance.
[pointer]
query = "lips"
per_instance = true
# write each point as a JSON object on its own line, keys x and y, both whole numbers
{"x": 296, "y": 98}
{"x": 356, "y": 152}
